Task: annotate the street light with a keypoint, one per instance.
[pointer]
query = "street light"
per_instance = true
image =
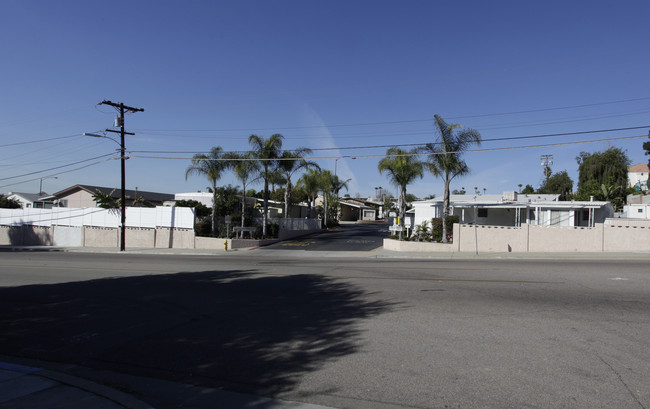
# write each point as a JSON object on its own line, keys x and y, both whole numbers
{"x": 123, "y": 183}
{"x": 40, "y": 189}
{"x": 336, "y": 161}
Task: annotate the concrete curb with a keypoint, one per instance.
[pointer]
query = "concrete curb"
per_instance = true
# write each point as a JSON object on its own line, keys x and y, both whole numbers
{"x": 120, "y": 398}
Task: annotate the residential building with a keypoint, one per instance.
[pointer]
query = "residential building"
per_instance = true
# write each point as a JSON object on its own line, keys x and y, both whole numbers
{"x": 513, "y": 209}
{"x": 637, "y": 176}
{"x": 80, "y": 196}
{"x": 32, "y": 200}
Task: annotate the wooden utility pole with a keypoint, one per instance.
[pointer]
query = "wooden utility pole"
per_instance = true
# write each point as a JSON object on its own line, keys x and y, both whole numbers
{"x": 122, "y": 108}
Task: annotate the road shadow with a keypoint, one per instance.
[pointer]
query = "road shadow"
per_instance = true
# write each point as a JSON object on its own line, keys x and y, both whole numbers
{"x": 234, "y": 329}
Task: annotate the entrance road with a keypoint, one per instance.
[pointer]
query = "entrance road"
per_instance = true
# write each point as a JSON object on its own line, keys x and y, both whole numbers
{"x": 341, "y": 332}
{"x": 347, "y": 237}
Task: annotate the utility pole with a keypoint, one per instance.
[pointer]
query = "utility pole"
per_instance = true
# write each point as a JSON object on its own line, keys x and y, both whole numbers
{"x": 547, "y": 161}
{"x": 122, "y": 108}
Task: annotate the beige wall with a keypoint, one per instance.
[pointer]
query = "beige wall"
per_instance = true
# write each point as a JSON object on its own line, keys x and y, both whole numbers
{"x": 26, "y": 235}
{"x": 565, "y": 239}
{"x": 174, "y": 238}
{"x": 626, "y": 238}
{"x": 139, "y": 238}
{"x": 491, "y": 238}
{"x": 79, "y": 199}
{"x": 537, "y": 239}
{"x": 100, "y": 237}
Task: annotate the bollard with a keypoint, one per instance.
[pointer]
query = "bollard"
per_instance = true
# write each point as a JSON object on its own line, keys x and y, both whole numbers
{"x": 225, "y": 245}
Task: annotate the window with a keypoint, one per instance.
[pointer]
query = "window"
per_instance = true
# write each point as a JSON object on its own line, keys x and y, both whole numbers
{"x": 482, "y": 212}
{"x": 639, "y": 210}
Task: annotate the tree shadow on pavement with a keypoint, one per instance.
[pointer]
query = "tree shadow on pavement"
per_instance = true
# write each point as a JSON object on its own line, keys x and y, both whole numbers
{"x": 234, "y": 329}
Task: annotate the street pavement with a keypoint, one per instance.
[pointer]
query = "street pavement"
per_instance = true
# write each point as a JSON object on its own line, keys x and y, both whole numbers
{"x": 43, "y": 384}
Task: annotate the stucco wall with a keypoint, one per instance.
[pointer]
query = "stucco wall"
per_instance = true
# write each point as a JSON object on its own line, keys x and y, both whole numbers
{"x": 492, "y": 238}
{"x": 538, "y": 239}
{"x": 210, "y": 243}
{"x": 565, "y": 239}
{"x": 626, "y": 238}
{"x": 176, "y": 238}
{"x": 25, "y": 235}
{"x": 140, "y": 238}
{"x": 68, "y": 236}
{"x": 100, "y": 237}
{"x": 396, "y": 245}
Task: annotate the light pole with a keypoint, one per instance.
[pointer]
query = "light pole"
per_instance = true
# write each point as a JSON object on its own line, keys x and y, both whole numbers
{"x": 119, "y": 121}
{"x": 336, "y": 161}
{"x": 40, "y": 188}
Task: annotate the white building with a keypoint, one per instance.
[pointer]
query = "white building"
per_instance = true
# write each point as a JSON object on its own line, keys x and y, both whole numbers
{"x": 513, "y": 209}
{"x": 32, "y": 200}
{"x": 637, "y": 211}
{"x": 637, "y": 175}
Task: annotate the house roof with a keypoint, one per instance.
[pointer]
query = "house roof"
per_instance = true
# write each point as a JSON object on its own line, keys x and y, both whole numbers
{"x": 130, "y": 194}
{"x": 639, "y": 167}
{"x": 522, "y": 199}
{"x": 30, "y": 197}
{"x": 355, "y": 204}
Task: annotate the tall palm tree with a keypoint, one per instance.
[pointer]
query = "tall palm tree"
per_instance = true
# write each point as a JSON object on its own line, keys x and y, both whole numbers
{"x": 290, "y": 163}
{"x": 246, "y": 170}
{"x": 402, "y": 168}
{"x": 266, "y": 151}
{"x": 444, "y": 159}
{"x": 211, "y": 166}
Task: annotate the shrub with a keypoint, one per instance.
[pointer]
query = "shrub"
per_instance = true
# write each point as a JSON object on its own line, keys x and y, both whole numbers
{"x": 436, "y": 228}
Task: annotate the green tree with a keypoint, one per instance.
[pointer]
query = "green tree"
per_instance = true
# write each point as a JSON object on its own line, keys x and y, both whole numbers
{"x": 559, "y": 183}
{"x": 227, "y": 202}
{"x": 6, "y": 203}
{"x": 310, "y": 184}
{"x": 290, "y": 163}
{"x": 266, "y": 151}
{"x": 402, "y": 169}
{"x": 607, "y": 168}
{"x": 331, "y": 185}
{"x": 528, "y": 190}
{"x": 107, "y": 201}
{"x": 246, "y": 170}
{"x": 200, "y": 209}
{"x": 444, "y": 157}
{"x": 211, "y": 166}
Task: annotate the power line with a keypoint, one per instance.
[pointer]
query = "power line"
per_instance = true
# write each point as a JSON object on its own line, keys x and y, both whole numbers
{"x": 39, "y": 140}
{"x": 57, "y": 167}
{"x": 423, "y": 144}
{"x": 407, "y": 154}
{"x": 60, "y": 173}
{"x": 402, "y": 121}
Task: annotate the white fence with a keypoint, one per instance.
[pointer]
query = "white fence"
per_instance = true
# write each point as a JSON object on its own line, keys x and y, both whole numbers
{"x": 299, "y": 224}
{"x": 142, "y": 217}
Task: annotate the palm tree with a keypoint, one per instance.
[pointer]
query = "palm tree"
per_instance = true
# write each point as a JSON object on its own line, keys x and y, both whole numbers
{"x": 310, "y": 183}
{"x": 291, "y": 163}
{"x": 402, "y": 169}
{"x": 444, "y": 159}
{"x": 266, "y": 151}
{"x": 331, "y": 185}
{"x": 211, "y": 166}
{"x": 246, "y": 169}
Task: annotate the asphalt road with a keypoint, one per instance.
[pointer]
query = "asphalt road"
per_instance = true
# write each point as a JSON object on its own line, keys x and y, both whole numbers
{"x": 342, "y": 332}
{"x": 347, "y": 237}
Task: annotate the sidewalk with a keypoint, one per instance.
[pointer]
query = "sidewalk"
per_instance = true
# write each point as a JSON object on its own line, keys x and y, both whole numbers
{"x": 376, "y": 253}
{"x": 26, "y": 387}
{"x": 34, "y": 388}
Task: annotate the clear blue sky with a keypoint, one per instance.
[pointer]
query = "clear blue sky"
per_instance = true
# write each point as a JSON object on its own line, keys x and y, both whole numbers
{"x": 332, "y": 74}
